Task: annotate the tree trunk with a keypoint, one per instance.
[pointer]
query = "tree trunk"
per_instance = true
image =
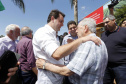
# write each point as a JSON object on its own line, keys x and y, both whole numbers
{"x": 76, "y": 11}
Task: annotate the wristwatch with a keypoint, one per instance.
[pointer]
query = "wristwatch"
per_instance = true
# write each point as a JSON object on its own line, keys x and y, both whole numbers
{"x": 43, "y": 66}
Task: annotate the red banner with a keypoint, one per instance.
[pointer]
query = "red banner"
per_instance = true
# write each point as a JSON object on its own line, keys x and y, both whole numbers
{"x": 97, "y": 15}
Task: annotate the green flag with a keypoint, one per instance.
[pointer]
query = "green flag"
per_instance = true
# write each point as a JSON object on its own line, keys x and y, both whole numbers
{"x": 1, "y": 6}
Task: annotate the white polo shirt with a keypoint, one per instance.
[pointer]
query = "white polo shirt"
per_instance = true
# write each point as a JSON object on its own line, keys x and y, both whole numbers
{"x": 44, "y": 44}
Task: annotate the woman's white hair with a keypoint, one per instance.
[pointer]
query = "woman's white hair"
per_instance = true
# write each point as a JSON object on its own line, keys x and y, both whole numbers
{"x": 91, "y": 23}
{"x": 11, "y": 27}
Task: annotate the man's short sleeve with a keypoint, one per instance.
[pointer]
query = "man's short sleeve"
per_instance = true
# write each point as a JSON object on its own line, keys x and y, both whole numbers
{"x": 51, "y": 47}
{"x": 48, "y": 44}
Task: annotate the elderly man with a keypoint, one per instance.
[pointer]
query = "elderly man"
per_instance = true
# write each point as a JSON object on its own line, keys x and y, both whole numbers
{"x": 89, "y": 60}
{"x": 9, "y": 43}
{"x": 46, "y": 46}
{"x": 28, "y": 70}
{"x": 115, "y": 40}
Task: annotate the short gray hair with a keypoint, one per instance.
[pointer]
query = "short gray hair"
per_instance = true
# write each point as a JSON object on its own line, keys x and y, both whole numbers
{"x": 91, "y": 23}
{"x": 11, "y": 27}
{"x": 25, "y": 31}
{"x": 110, "y": 17}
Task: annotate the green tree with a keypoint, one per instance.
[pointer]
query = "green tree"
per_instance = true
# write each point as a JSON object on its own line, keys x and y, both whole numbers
{"x": 120, "y": 14}
{"x": 20, "y": 4}
{"x": 52, "y": 1}
{"x": 1, "y": 36}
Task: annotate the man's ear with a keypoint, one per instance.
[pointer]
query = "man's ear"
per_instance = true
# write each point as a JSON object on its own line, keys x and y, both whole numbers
{"x": 114, "y": 20}
{"x": 52, "y": 18}
{"x": 86, "y": 28}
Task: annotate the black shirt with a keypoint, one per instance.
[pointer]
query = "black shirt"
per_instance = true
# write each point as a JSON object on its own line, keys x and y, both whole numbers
{"x": 116, "y": 45}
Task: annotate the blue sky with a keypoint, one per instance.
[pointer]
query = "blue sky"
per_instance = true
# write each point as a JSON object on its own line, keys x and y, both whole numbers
{"x": 37, "y": 11}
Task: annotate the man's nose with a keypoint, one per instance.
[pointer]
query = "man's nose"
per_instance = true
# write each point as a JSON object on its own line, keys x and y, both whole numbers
{"x": 73, "y": 29}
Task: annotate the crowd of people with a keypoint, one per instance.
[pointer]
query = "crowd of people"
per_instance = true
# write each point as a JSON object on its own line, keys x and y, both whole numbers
{"x": 79, "y": 57}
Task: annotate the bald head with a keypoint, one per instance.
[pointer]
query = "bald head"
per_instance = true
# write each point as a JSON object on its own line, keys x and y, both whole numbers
{"x": 25, "y": 31}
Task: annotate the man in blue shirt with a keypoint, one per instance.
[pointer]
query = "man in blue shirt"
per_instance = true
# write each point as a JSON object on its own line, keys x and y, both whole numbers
{"x": 68, "y": 38}
{"x": 71, "y": 36}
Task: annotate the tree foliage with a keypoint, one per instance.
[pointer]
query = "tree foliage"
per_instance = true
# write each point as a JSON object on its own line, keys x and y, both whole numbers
{"x": 1, "y": 36}
{"x": 75, "y": 4}
{"x": 52, "y": 1}
{"x": 120, "y": 14}
{"x": 72, "y": 3}
{"x": 20, "y": 4}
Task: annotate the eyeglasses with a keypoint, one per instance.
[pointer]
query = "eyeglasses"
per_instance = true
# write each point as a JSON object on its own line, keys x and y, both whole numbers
{"x": 72, "y": 28}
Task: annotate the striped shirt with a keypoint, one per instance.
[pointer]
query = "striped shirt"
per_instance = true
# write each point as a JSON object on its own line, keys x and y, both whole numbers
{"x": 89, "y": 63}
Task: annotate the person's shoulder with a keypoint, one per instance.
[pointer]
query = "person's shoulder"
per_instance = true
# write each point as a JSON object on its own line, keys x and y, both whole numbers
{"x": 122, "y": 30}
{"x": 87, "y": 43}
{"x": 91, "y": 42}
{"x": 3, "y": 39}
{"x": 40, "y": 31}
{"x": 27, "y": 39}
{"x": 103, "y": 33}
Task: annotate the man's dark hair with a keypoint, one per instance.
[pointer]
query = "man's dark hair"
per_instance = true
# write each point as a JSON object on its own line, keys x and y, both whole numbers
{"x": 64, "y": 34}
{"x": 122, "y": 22}
{"x": 71, "y": 22}
{"x": 55, "y": 14}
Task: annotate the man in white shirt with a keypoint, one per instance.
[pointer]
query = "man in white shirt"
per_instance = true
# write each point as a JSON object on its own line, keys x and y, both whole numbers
{"x": 46, "y": 46}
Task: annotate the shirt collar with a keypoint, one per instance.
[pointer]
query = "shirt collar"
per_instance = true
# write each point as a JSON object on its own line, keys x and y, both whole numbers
{"x": 50, "y": 29}
{"x": 108, "y": 32}
{"x": 92, "y": 34}
{"x": 69, "y": 35}
{"x": 116, "y": 29}
{"x": 10, "y": 40}
{"x": 26, "y": 37}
